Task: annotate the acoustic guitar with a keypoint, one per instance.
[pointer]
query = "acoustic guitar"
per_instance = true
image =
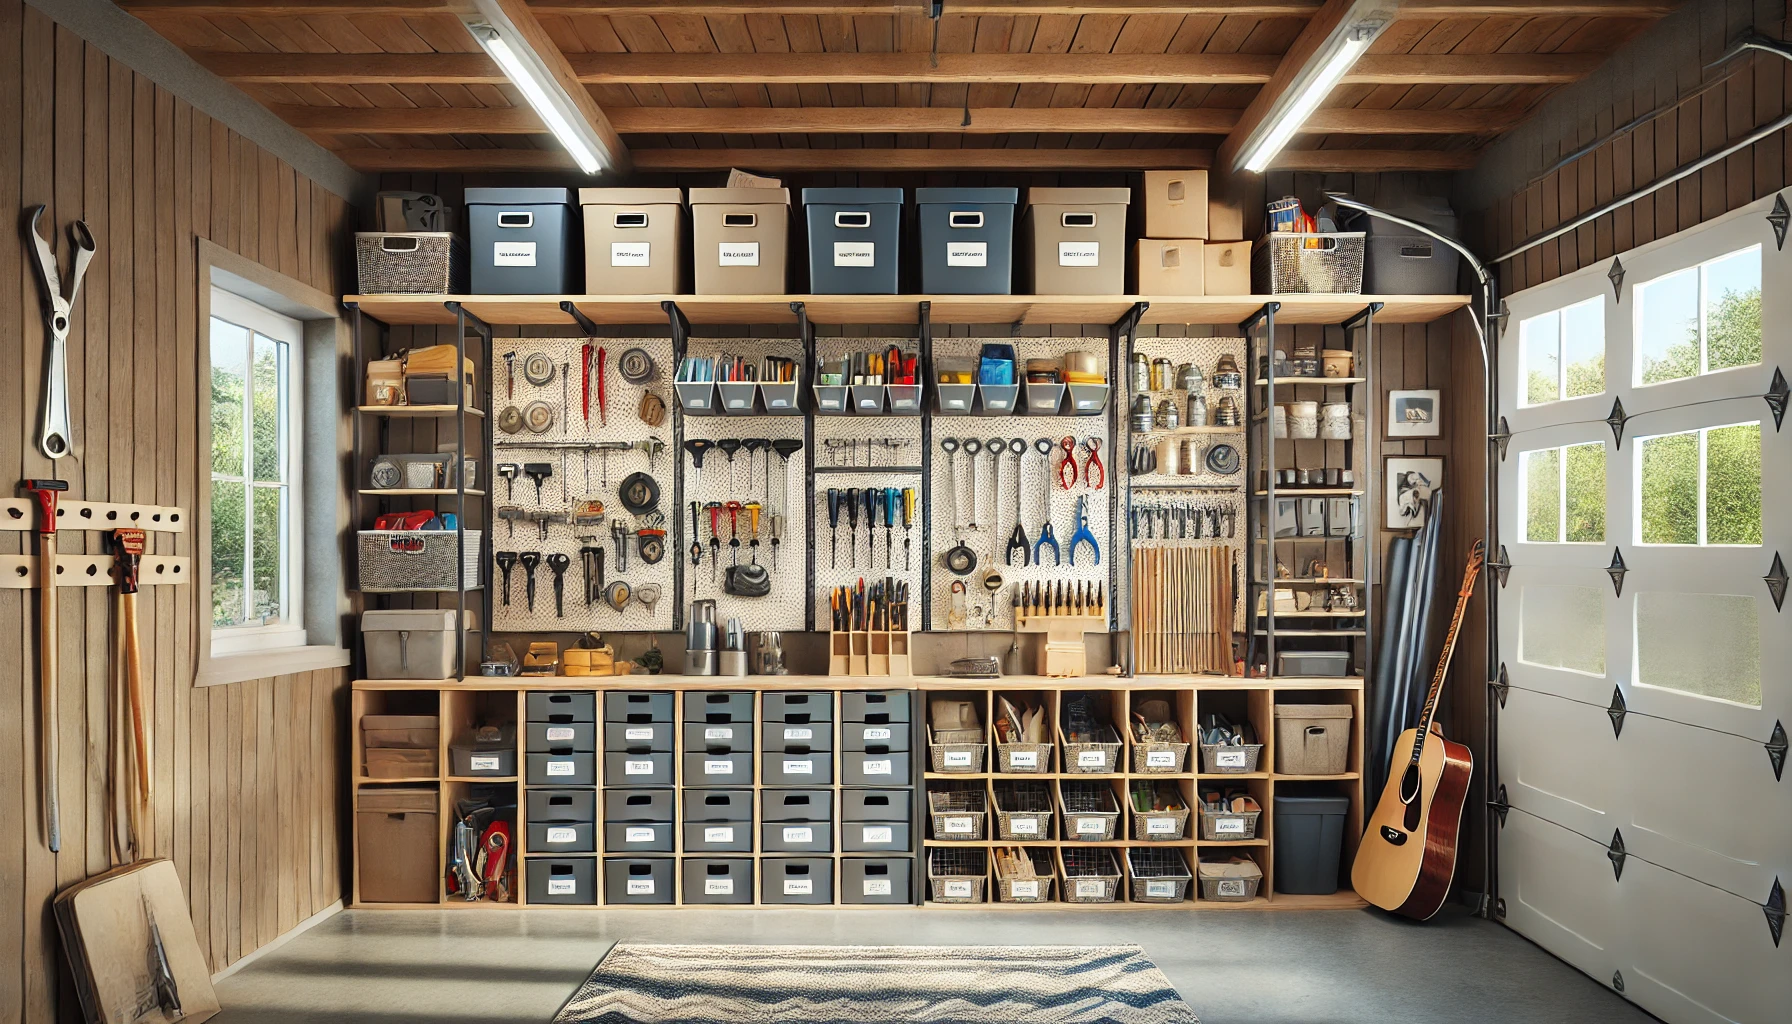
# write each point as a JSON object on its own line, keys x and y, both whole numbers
{"x": 1408, "y": 853}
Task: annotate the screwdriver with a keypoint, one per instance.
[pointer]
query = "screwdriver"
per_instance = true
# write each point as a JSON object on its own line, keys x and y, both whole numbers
{"x": 908, "y": 522}
{"x": 834, "y": 526}
{"x": 871, "y": 503}
{"x": 696, "y": 538}
{"x": 733, "y": 508}
{"x": 753, "y": 508}
{"x": 698, "y": 447}
{"x": 852, "y": 526}
{"x": 715, "y": 537}
{"x": 891, "y": 497}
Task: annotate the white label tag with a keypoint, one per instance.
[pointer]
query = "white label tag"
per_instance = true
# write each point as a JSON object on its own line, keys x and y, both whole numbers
{"x": 877, "y": 887}
{"x": 725, "y": 732}
{"x": 557, "y": 733}
{"x": 1232, "y": 826}
{"x": 1160, "y": 759}
{"x": 804, "y": 767}
{"x": 855, "y": 254}
{"x": 957, "y": 759}
{"x": 1160, "y": 889}
{"x": 1090, "y": 826}
{"x": 1079, "y": 254}
{"x": 724, "y": 834}
{"x": 877, "y": 767}
{"x": 1091, "y": 759}
{"x": 799, "y": 834}
{"x": 798, "y": 732}
{"x": 562, "y": 886}
{"x": 513, "y": 254}
{"x": 1023, "y": 759}
{"x": 1161, "y": 827}
{"x": 1091, "y": 890}
{"x": 641, "y": 733}
{"x": 879, "y": 834}
{"x": 799, "y": 887}
{"x": 638, "y": 835}
{"x": 1024, "y": 826}
{"x": 562, "y": 834}
{"x": 561, "y": 768}
{"x": 718, "y": 767}
{"x": 738, "y": 254}
{"x": 1229, "y": 759}
{"x": 967, "y": 254}
{"x": 640, "y": 887}
{"x": 637, "y": 767}
{"x": 483, "y": 763}
{"x": 718, "y": 887}
{"x": 1229, "y": 887}
{"x": 1024, "y": 890}
{"x": 628, "y": 254}
{"x": 959, "y": 825}
{"x": 874, "y": 733}
{"x": 960, "y": 890}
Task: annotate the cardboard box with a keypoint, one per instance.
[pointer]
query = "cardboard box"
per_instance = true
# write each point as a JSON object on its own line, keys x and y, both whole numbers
{"x": 1175, "y": 204}
{"x": 1228, "y": 268}
{"x": 1168, "y": 266}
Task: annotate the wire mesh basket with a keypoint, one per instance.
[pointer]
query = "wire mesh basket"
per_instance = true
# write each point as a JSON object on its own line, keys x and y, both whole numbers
{"x": 1023, "y": 810}
{"x": 1021, "y": 886}
{"x": 956, "y": 750}
{"x": 959, "y": 810}
{"x": 1153, "y": 757}
{"x": 1229, "y": 825}
{"x": 1023, "y": 758}
{"x": 1234, "y": 881}
{"x": 1158, "y": 825}
{"x": 1091, "y": 814}
{"x": 1230, "y": 759}
{"x": 1100, "y": 756}
{"x": 957, "y": 875}
{"x": 1158, "y": 875}
{"x": 1091, "y": 875}
{"x": 1290, "y": 262}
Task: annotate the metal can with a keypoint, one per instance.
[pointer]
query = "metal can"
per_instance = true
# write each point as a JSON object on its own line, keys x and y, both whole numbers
{"x": 1160, "y": 374}
{"x": 1188, "y": 377}
{"x": 1141, "y": 413}
{"x": 1141, "y": 372}
{"x": 1168, "y": 416}
{"x": 1197, "y": 409}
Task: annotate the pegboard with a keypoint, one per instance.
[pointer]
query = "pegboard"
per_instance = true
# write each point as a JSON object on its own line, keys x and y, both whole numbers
{"x": 569, "y": 484}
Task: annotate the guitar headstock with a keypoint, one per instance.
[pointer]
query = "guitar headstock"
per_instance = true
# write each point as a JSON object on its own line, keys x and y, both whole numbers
{"x": 1476, "y": 557}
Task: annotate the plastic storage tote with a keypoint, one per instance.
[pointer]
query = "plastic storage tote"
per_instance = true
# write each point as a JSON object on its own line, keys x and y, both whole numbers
{"x": 1076, "y": 240}
{"x": 739, "y": 239}
{"x": 1309, "y": 841}
{"x": 1400, "y": 261}
{"x": 967, "y": 240}
{"x": 1312, "y": 739}
{"x": 855, "y": 238}
{"x": 524, "y": 241}
{"x": 634, "y": 240}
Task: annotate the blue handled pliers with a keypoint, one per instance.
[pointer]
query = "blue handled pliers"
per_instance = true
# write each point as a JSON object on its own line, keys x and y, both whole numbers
{"x": 1083, "y": 533}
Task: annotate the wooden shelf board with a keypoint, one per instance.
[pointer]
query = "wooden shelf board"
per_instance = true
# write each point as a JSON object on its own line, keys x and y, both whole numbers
{"x": 1324, "y": 381}
{"x": 1314, "y": 580}
{"x": 400, "y": 492}
{"x": 818, "y": 682}
{"x": 1194, "y": 430}
{"x": 1314, "y": 682}
{"x": 1342, "y": 776}
{"x": 1315, "y": 615}
{"x": 1311, "y": 492}
{"x": 418, "y": 411}
{"x": 495, "y": 779}
{"x": 365, "y": 781}
{"x": 1313, "y": 632}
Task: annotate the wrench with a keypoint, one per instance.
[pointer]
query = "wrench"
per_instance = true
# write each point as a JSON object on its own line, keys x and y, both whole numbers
{"x": 55, "y": 437}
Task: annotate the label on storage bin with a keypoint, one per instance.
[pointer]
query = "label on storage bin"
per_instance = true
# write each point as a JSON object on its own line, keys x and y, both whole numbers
{"x": 637, "y": 768}
{"x": 1024, "y": 890}
{"x": 1091, "y": 759}
{"x": 638, "y": 733}
{"x": 874, "y": 733}
{"x": 877, "y": 767}
{"x": 1090, "y": 826}
{"x": 798, "y": 732}
{"x": 855, "y": 254}
{"x": 1023, "y": 759}
{"x": 1091, "y": 890}
{"x": 1160, "y": 759}
{"x": 799, "y": 834}
{"x": 957, "y": 759}
{"x": 738, "y": 254}
{"x": 724, "y": 834}
{"x": 1162, "y": 890}
{"x": 637, "y": 835}
{"x": 1229, "y": 887}
{"x": 959, "y": 824}
{"x": 1079, "y": 254}
{"x": 879, "y": 834}
{"x": 557, "y": 733}
{"x": 877, "y": 887}
{"x": 1161, "y": 827}
{"x": 1024, "y": 826}
{"x": 640, "y": 887}
{"x": 562, "y": 834}
{"x": 561, "y": 768}
{"x": 513, "y": 254}
{"x": 718, "y": 767}
{"x": 483, "y": 763}
{"x": 563, "y": 886}
{"x": 1228, "y": 826}
{"x": 967, "y": 254}
{"x": 628, "y": 254}
{"x": 799, "y": 887}
{"x": 960, "y": 890}
{"x": 726, "y": 732}
{"x": 804, "y": 767}
{"x": 718, "y": 887}
{"x": 1229, "y": 759}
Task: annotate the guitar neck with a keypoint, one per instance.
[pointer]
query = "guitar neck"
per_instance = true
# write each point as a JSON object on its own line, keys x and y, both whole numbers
{"x": 1443, "y": 660}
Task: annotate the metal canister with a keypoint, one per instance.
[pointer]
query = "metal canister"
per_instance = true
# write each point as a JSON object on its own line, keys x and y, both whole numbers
{"x": 1197, "y": 409}
{"x": 1160, "y": 374}
{"x": 1168, "y": 416}
{"x": 1141, "y": 372}
{"x": 1141, "y": 412}
{"x": 1188, "y": 377}
{"x": 1228, "y": 415}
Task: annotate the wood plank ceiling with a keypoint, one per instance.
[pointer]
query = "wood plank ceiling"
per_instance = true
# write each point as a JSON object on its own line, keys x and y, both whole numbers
{"x": 781, "y": 85}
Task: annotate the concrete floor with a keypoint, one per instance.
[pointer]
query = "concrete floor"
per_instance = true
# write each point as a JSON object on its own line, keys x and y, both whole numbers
{"x": 1270, "y": 967}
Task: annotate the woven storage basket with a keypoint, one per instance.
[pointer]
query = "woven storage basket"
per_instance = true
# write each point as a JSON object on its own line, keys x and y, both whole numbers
{"x": 1282, "y": 263}
{"x": 399, "y": 561}
{"x": 954, "y": 750}
{"x": 1226, "y": 760}
{"x": 1029, "y": 890}
{"x": 960, "y": 811}
{"x": 1142, "y": 831}
{"x": 1083, "y": 802}
{"x": 1027, "y": 803}
{"x": 1152, "y": 758}
{"x": 1218, "y": 825}
{"x": 410, "y": 263}
{"x": 1090, "y": 875}
{"x": 1226, "y": 889}
{"x": 1035, "y": 758}
{"x": 1158, "y": 875}
{"x": 957, "y": 875}
{"x": 1099, "y": 758}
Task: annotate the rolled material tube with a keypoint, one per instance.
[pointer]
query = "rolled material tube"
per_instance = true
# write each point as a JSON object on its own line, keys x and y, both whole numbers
{"x": 1381, "y": 686}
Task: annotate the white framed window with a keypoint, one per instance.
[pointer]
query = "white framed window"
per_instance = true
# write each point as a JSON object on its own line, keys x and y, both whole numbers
{"x": 256, "y": 509}
{"x": 1562, "y": 353}
{"x": 1700, "y": 486}
{"x": 1563, "y": 493}
{"x": 1698, "y": 320}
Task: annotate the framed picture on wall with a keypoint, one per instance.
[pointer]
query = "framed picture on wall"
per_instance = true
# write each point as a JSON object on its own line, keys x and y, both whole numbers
{"x": 1415, "y": 414}
{"x": 1410, "y": 482}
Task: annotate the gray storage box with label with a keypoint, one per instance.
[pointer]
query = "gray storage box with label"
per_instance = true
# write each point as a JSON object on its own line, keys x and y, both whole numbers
{"x": 807, "y": 736}
{"x": 718, "y": 708}
{"x": 568, "y": 769}
{"x": 553, "y": 880}
{"x": 544, "y": 737}
{"x": 1075, "y": 240}
{"x": 875, "y": 880}
{"x": 561, "y": 707}
{"x": 1313, "y": 663}
{"x": 638, "y": 737}
{"x": 875, "y": 706}
{"x": 639, "y": 821}
{"x": 638, "y": 879}
{"x": 626, "y": 769}
{"x": 718, "y": 821}
{"x": 874, "y": 805}
{"x": 702, "y": 768}
{"x": 967, "y": 240}
{"x": 631, "y": 706}
{"x": 797, "y": 805}
{"x": 1309, "y": 841}
{"x": 638, "y": 837}
{"x": 561, "y": 821}
{"x": 1400, "y": 261}
{"x": 869, "y": 736}
{"x": 525, "y": 241}
{"x": 796, "y": 836}
{"x": 796, "y": 880}
{"x": 798, "y": 707}
{"x": 796, "y": 769}
{"x": 874, "y": 768}
{"x": 874, "y": 836}
{"x": 562, "y": 837}
{"x": 719, "y": 737}
{"x": 718, "y": 880}
{"x": 634, "y": 240}
{"x": 855, "y": 239}
{"x": 493, "y": 756}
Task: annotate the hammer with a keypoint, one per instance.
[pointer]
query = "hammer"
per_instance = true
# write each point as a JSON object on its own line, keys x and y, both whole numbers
{"x": 509, "y": 471}
{"x": 45, "y": 492}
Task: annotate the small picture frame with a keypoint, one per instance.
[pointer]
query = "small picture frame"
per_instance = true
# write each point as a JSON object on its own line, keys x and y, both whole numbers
{"x": 1415, "y": 413}
{"x": 1410, "y": 483}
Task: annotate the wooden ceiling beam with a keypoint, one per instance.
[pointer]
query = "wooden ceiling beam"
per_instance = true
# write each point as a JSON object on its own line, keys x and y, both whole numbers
{"x": 528, "y": 27}
{"x": 1372, "y": 161}
{"x": 1302, "y": 52}
{"x": 1244, "y": 8}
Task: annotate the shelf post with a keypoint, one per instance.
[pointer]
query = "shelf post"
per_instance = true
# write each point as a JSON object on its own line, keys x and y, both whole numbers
{"x": 924, "y": 341}
{"x": 1265, "y": 518}
{"x": 681, "y": 333}
{"x": 806, "y": 332}
{"x": 1119, "y": 367}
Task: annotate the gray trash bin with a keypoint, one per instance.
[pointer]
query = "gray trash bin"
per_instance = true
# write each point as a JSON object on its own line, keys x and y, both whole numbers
{"x": 525, "y": 241}
{"x": 854, "y": 239}
{"x": 1309, "y": 834}
{"x": 967, "y": 240}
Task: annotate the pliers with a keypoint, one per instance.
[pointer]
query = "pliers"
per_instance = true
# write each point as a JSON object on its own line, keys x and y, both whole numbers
{"x": 1094, "y": 473}
{"x": 1083, "y": 533}
{"x": 1067, "y": 468}
{"x": 1046, "y": 536}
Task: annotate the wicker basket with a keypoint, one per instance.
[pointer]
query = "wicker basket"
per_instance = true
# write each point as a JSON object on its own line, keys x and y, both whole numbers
{"x": 1153, "y": 758}
{"x": 1158, "y": 875}
{"x": 1023, "y": 810}
{"x": 1029, "y": 890}
{"x": 1034, "y": 758}
{"x": 1229, "y": 825}
{"x": 1282, "y": 263}
{"x": 1228, "y": 889}
{"x": 410, "y": 263}
{"x": 1083, "y": 805}
{"x": 1154, "y": 826}
{"x": 956, "y": 751}
{"x": 1099, "y": 758}
{"x": 401, "y": 561}
{"x": 1090, "y": 875}
{"x": 960, "y": 811}
{"x": 957, "y": 875}
{"x": 1230, "y": 760}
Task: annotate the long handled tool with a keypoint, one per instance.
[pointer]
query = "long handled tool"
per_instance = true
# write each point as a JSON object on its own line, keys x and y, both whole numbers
{"x": 55, "y": 436}
{"x": 45, "y": 493}
{"x": 127, "y": 552}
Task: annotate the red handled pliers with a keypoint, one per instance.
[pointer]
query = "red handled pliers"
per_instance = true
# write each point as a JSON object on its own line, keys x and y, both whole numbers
{"x": 1067, "y": 468}
{"x": 1094, "y": 474}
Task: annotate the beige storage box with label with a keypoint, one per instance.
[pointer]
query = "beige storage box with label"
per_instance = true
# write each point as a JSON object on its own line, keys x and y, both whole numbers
{"x": 634, "y": 240}
{"x": 1168, "y": 266}
{"x": 1176, "y": 204}
{"x": 396, "y": 829}
{"x": 1312, "y": 739}
{"x": 739, "y": 240}
{"x": 1075, "y": 240}
{"x": 1228, "y": 268}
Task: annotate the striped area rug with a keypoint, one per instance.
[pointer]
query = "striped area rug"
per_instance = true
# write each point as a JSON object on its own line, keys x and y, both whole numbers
{"x": 653, "y": 984}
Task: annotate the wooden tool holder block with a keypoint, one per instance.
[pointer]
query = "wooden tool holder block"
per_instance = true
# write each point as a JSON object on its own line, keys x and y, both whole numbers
{"x": 1064, "y": 653}
{"x": 869, "y": 652}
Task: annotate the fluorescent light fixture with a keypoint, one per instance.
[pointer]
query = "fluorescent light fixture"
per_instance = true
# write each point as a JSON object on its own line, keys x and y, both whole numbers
{"x": 1328, "y": 65}
{"x": 498, "y": 35}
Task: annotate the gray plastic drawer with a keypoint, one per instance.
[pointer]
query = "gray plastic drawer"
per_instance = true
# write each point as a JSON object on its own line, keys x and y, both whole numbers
{"x": 796, "y": 836}
{"x": 702, "y": 769}
{"x": 575, "y": 736}
{"x": 718, "y": 805}
{"x": 799, "y": 736}
{"x": 638, "y": 737}
{"x": 874, "y": 837}
{"x": 553, "y": 880}
{"x": 561, "y": 769}
{"x": 796, "y": 880}
{"x": 561, "y": 707}
{"x": 562, "y": 837}
{"x": 778, "y": 769}
{"x": 885, "y": 735}
{"x": 640, "y": 805}
{"x": 874, "y": 706}
{"x": 815, "y": 706}
{"x": 718, "y": 837}
{"x": 719, "y": 737}
{"x": 638, "y": 880}
{"x": 714, "y": 880}
{"x": 637, "y": 769}
{"x": 874, "y": 768}
{"x": 638, "y": 837}
{"x": 717, "y": 708}
{"x": 562, "y": 805}
{"x": 874, "y": 805}
{"x": 635, "y": 706}
{"x": 875, "y": 879}
{"x": 797, "y": 805}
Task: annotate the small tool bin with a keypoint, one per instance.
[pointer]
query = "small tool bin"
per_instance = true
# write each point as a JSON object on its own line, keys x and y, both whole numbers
{"x": 562, "y": 821}
{"x": 1312, "y": 739}
{"x": 1289, "y": 262}
{"x": 524, "y": 240}
{"x": 875, "y": 880}
{"x": 486, "y": 752}
{"x": 1091, "y": 875}
{"x": 634, "y": 240}
{"x": 1091, "y": 813}
{"x": 555, "y": 880}
{"x": 405, "y": 561}
{"x": 855, "y": 238}
{"x": 739, "y": 239}
{"x": 1159, "y": 812}
{"x": 800, "y": 880}
{"x": 718, "y": 880}
{"x": 1027, "y": 878}
{"x": 409, "y": 643}
{"x": 1076, "y": 240}
{"x": 967, "y": 240}
{"x": 410, "y": 263}
{"x": 957, "y": 875}
{"x": 1232, "y": 880}
{"x": 998, "y": 379}
{"x": 639, "y": 820}
{"x": 637, "y": 880}
{"x": 718, "y": 821}
{"x": 960, "y": 810}
{"x": 1024, "y": 811}
{"x": 1157, "y": 875}
{"x": 955, "y": 386}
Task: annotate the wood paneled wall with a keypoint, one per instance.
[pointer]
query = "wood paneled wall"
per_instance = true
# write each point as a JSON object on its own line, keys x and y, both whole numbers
{"x": 247, "y": 801}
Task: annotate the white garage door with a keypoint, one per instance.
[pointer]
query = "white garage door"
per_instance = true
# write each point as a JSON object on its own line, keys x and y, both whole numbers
{"x": 1646, "y": 515}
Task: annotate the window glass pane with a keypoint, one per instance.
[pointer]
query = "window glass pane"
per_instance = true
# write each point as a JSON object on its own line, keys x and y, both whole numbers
{"x": 1669, "y": 512}
{"x": 1542, "y": 495}
{"x": 1733, "y": 484}
{"x": 1562, "y": 627}
{"x": 1667, "y": 327}
{"x": 1583, "y": 348}
{"x": 229, "y": 358}
{"x": 267, "y": 593}
{"x": 1733, "y": 310}
{"x": 227, "y": 553}
{"x": 1704, "y": 644}
{"x": 1586, "y": 492}
{"x": 1540, "y": 358}
{"x": 266, "y": 434}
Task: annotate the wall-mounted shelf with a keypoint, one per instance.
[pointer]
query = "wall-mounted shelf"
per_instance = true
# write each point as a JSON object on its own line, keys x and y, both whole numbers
{"x": 419, "y": 411}
{"x": 1282, "y": 382}
{"x": 401, "y": 492}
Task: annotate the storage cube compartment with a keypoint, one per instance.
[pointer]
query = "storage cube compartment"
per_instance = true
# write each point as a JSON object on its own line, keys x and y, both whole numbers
{"x": 1024, "y": 810}
{"x": 718, "y": 821}
{"x": 957, "y": 874}
{"x": 1229, "y": 879}
{"x": 1227, "y": 823}
{"x": 645, "y": 769}
{"x": 717, "y": 880}
{"x": 1090, "y": 809}
{"x": 568, "y": 706}
{"x": 709, "y": 769}
{"x": 1012, "y": 714}
{"x": 561, "y": 821}
{"x": 524, "y": 240}
{"x": 1088, "y": 742}
{"x": 806, "y": 880}
{"x": 1310, "y": 824}
{"x": 739, "y": 239}
{"x": 874, "y": 805}
{"x": 874, "y": 767}
{"x": 396, "y": 831}
{"x": 1159, "y": 809}
{"x": 875, "y": 707}
{"x": 719, "y": 737}
{"x": 1160, "y": 730}
{"x": 416, "y": 561}
{"x": 489, "y": 752}
{"x": 1313, "y": 739}
{"x": 874, "y": 836}
{"x": 718, "y": 708}
{"x": 1075, "y": 240}
{"x": 855, "y": 237}
{"x": 967, "y": 240}
{"x": 634, "y": 240}
{"x": 777, "y": 737}
{"x": 958, "y": 811}
{"x": 638, "y": 737}
{"x": 1091, "y": 874}
{"x": 644, "y": 880}
{"x": 561, "y": 880}
{"x": 545, "y": 737}
{"x": 567, "y": 769}
{"x": 796, "y": 836}
{"x": 1025, "y": 881}
{"x": 876, "y": 880}
{"x": 861, "y": 736}
{"x": 637, "y": 707}
{"x": 410, "y": 643}
{"x": 1157, "y": 875}
{"x": 798, "y": 708}
{"x": 956, "y": 755}
{"x": 796, "y": 805}
{"x": 399, "y": 737}
{"x": 1251, "y": 712}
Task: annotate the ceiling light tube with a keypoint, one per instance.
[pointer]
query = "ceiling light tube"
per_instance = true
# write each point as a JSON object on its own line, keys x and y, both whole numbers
{"x": 531, "y": 75}
{"x": 1334, "y": 58}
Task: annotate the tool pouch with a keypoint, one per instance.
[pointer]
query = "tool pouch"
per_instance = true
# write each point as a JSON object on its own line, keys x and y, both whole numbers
{"x": 747, "y": 581}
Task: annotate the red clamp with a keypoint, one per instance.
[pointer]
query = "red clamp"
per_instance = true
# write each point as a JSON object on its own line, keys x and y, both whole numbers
{"x": 1067, "y": 468}
{"x": 1094, "y": 474}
